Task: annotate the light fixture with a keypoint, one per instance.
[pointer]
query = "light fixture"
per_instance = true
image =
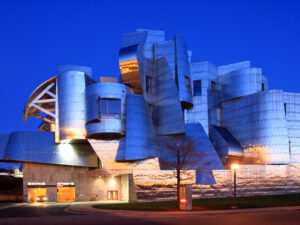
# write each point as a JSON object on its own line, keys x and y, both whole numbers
{"x": 235, "y": 166}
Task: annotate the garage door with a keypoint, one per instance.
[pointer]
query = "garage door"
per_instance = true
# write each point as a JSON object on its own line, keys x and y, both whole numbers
{"x": 65, "y": 194}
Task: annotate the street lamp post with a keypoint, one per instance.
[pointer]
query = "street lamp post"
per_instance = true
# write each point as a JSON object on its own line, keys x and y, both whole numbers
{"x": 234, "y": 167}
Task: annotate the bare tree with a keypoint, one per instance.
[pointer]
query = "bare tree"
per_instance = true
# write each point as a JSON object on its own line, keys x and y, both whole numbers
{"x": 182, "y": 153}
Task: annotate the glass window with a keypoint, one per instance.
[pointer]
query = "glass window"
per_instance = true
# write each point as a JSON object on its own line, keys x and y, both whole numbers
{"x": 148, "y": 85}
{"x": 214, "y": 88}
{"x": 110, "y": 108}
{"x": 262, "y": 86}
{"x": 197, "y": 87}
{"x": 187, "y": 84}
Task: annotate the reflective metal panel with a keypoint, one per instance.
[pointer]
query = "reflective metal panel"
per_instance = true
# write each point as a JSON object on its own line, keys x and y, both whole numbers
{"x": 40, "y": 147}
{"x": 204, "y": 149}
{"x": 292, "y": 113}
{"x": 129, "y": 68}
{"x": 140, "y": 140}
{"x": 167, "y": 114}
{"x": 71, "y": 83}
{"x": 105, "y": 127}
{"x": 258, "y": 122}
{"x": 240, "y": 83}
{"x": 183, "y": 72}
{"x": 225, "y": 144}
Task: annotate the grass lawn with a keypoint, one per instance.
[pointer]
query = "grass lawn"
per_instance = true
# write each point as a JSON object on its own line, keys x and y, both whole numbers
{"x": 211, "y": 204}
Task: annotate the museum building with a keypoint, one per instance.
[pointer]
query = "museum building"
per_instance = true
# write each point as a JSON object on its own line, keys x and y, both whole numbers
{"x": 100, "y": 138}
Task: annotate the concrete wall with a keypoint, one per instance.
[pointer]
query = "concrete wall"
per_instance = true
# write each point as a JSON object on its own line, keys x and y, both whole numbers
{"x": 88, "y": 187}
{"x": 251, "y": 180}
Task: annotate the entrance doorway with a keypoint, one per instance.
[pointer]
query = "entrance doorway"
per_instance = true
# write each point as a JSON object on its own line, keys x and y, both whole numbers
{"x": 37, "y": 194}
{"x": 112, "y": 195}
{"x": 66, "y": 194}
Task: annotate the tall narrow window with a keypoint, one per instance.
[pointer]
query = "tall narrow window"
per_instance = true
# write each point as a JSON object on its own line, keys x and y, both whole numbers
{"x": 214, "y": 88}
{"x": 284, "y": 108}
{"x": 148, "y": 84}
{"x": 262, "y": 86}
{"x": 197, "y": 87}
{"x": 188, "y": 84}
{"x": 110, "y": 108}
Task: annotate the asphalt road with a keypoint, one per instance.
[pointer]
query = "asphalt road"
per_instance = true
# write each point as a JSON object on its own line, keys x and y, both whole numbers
{"x": 56, "y": 214}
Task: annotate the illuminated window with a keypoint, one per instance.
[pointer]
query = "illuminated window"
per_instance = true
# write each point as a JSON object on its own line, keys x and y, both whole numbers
{"x": 197, "y": 87}
{"x": 148, "y": 84}
{"x": 112, "y": 195}
{"x": 214, "y": 88}
{"x": 187, "y": 84}
{"x": 110, "y": 108}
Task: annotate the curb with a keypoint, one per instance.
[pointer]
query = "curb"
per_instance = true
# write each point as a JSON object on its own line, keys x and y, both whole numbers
{"x": 89, "y": 209}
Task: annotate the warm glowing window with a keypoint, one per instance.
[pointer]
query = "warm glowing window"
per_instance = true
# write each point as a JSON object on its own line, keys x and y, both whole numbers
{"x": 197, "y": 87}
{"x": 112, "y": 195}
{"x": 148, "y": 84}
{"x": 110, "y": 108}
{"x": 188, "y": 84}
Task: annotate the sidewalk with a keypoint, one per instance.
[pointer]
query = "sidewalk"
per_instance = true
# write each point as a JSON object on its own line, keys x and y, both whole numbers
{"x": 78, "y": 208}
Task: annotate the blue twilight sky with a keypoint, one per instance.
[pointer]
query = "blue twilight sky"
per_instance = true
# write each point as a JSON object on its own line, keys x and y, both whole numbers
{"x": 38, "y": 35}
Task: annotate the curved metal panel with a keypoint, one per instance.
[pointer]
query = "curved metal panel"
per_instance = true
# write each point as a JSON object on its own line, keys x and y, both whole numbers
{"x": 71, "y": 83}
{"x": 140, "y": 138}
{"x": 240, "y": 83}
{"x": 258, "y": 122}
{"x": 225, "y": 144}
{"x": 40, "y": 147}
{"x": 129, "y": 68}
{"x": 96, "y": 126}
{"x": 167, "y": 113}
{"x": 183, "y": 72}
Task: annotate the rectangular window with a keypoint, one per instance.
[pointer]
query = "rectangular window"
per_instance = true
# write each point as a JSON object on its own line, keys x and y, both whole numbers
{"x": 197, "y": 87}
{"x": 214, "y": 88}
{"x": 187, "y": 84}
{"x": 110, "y": 108}
{"x": 262, "y": 86}
{"x": 148, "y": 84}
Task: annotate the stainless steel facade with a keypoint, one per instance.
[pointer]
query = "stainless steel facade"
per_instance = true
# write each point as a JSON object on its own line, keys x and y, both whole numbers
{"x": 71, "y": 84}
{"x": 164, "y": 93}
{"x": 39, "y": 147}
{"x": 98, "y": 126}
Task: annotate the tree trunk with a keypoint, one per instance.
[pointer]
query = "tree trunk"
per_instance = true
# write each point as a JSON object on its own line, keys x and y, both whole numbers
{"x": 178, "y": 179}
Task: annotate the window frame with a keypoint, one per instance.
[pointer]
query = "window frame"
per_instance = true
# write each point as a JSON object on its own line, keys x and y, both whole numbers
{"x": 188, "y": 84}
{"x": 199, "y": 89}
{"x": 106, "y": 114}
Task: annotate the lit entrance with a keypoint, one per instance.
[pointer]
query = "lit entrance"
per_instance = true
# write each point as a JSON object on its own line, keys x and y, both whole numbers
{"x": 65, "y": 194}
{"x": 37, "y": 194}
{"x": 112, "y": 195}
